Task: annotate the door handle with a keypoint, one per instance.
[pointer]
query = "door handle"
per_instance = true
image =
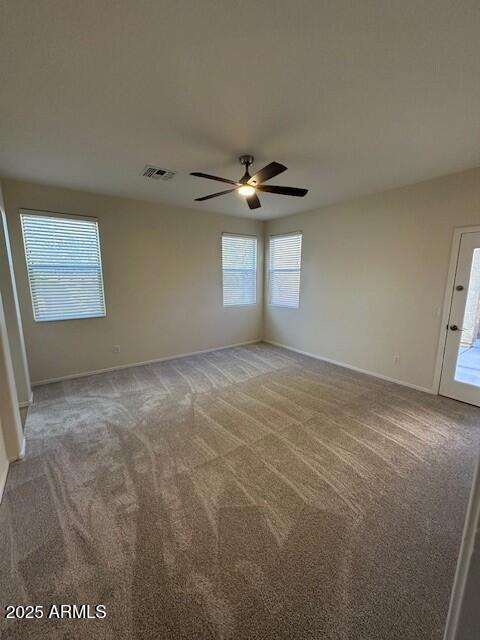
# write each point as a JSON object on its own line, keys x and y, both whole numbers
{"x": 453, "y": 327}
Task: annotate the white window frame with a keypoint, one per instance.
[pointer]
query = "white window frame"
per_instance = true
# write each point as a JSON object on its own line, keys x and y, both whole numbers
{"x": 70, "y": 216}
{"x": 247, "y": 237}
{"x": 270, "y": 270}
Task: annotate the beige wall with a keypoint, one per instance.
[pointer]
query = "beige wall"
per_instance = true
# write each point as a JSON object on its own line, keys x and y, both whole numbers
{"x": 162, "y": 274}
{"x": 373, "y": 280}
{"x": 374, "y": 275}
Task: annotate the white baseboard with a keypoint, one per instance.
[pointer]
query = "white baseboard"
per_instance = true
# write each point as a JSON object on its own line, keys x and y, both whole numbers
{"x": 21, "y": 455}
{"x": 3, "y": 482}
{"x": 3, "y": 478}
{"x": 84, "y": 374}
{"x": 349, "y": 366}
{"x": 27, "y": 403}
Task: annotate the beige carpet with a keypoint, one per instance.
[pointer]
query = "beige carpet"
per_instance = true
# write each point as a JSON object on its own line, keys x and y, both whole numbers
{"x": 245, "y": 493}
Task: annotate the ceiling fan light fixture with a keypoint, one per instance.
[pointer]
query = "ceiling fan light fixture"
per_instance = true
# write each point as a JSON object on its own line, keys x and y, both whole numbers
{"x": 246, "y": 190}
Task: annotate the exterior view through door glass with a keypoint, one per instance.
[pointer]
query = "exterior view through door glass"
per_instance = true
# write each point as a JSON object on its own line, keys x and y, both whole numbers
{"x": 461, "y": 364}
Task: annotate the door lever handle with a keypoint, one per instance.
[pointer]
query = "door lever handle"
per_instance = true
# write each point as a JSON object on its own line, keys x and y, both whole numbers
{"x": 453, "y": 327}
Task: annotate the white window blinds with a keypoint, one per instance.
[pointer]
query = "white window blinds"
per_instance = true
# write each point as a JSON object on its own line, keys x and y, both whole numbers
{"x": 239, "y": 264}
{"x": 284, "y": 270}
{"x": 64, "y": 266}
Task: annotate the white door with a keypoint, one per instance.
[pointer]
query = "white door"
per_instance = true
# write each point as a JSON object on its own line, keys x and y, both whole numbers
{"x": 461, "y": 363}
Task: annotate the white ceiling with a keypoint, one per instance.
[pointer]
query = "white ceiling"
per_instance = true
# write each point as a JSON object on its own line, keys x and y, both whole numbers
{"x": 353, "y": 96}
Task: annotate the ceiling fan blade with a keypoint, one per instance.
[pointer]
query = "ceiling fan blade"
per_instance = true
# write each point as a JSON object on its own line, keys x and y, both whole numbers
{"x": 253, "y": 201}
{"x": 214, "y": 195}
{"x": 207, "y": 175}
{"x": 270, "y": 171}
{"x": 283, "y": 191}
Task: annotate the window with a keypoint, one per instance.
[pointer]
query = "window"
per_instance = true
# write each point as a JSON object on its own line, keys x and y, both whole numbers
{"x": 285, "y": 260}
{"x": 239, "y": 264}
{"x": 64, "y": 266}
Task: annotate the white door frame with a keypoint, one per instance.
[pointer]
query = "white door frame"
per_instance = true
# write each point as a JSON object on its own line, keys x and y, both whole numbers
{"x": 465, "y": 566}
{"x": 447, "y": 304}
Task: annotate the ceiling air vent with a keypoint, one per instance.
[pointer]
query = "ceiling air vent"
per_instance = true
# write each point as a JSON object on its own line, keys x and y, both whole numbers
{"x": 149, "y": 171}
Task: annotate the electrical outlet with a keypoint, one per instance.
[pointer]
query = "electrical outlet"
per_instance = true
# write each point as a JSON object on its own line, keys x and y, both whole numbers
{"x": 396, "y": 359}
{"x": 116, "y": 348}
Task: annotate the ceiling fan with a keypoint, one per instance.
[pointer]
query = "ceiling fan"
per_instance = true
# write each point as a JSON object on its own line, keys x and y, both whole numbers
{"x": 248, "y": 185}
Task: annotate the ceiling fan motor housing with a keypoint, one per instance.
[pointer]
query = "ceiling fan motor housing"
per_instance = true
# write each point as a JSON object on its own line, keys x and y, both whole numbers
{"x": 246, "y": 161}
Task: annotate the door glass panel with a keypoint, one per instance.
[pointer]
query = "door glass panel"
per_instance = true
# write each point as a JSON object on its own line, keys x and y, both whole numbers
{"x": 468, "y": 359}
